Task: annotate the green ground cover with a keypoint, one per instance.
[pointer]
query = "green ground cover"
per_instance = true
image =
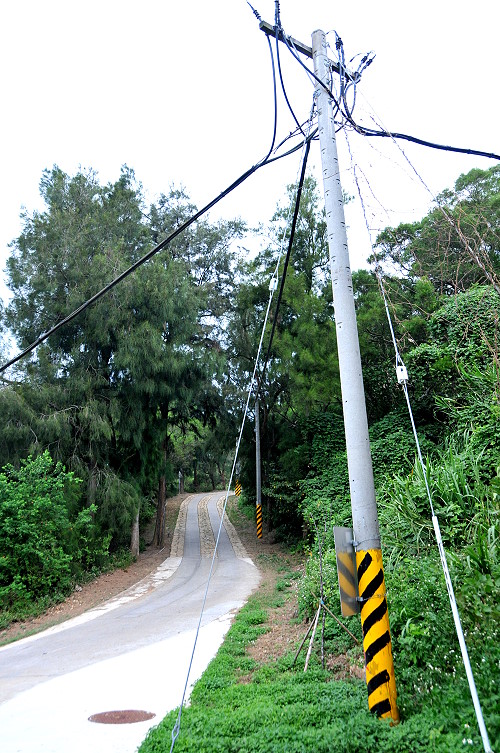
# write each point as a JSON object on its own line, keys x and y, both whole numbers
{"x": 240, "y": 705}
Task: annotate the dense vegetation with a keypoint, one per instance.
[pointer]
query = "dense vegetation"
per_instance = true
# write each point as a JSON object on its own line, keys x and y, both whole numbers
{"x": 151, "y": 380}
{"x": 241, "y": 704}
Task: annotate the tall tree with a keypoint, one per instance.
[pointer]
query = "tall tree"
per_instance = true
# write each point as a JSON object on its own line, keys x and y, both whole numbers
{"x": 457, "y": 243}
{"x": 106, "y": 390}
{"x": 302, "y": 375}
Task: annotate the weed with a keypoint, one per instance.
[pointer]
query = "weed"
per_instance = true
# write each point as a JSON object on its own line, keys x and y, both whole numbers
{"x": 281, "y": 709}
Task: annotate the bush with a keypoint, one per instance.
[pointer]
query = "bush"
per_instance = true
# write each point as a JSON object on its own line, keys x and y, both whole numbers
{"x": 463, "y": 503}
{"x": 43, "y": 546}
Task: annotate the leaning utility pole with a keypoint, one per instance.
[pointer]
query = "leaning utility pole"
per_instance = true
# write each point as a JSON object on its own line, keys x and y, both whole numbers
{"x": 374, "y": 617}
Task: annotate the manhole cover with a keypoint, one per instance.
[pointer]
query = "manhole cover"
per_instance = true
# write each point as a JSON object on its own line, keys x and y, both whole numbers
{"x": 129, "y": 716}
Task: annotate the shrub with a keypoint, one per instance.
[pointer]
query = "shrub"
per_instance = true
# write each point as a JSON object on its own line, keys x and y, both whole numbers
{"x": 43, "y": 546}
{"x": 461, "y": 500}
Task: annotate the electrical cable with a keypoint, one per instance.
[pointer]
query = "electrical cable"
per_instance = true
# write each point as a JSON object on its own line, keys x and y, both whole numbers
{"x": 163, "y": 244}
{"x": 159, "y": 247}
{"x": 278, "y": 60}
{"x": 489, "y": 273}
{"x": 422, "y": 142}
{"x": 294, "y": 149}
{"x": 149, "y": 255}
{"x": 253, "y": 380}
{"x": 370, "y": 132}
{"x": 292, "y": 135}
{"x": 275, "y": 126}
{"x": 285, "y": 267}
{"x": 283, "y": 87}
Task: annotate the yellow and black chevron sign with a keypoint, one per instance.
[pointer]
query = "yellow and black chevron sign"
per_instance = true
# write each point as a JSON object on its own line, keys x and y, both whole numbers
{"x": 237, "y": 489}
{"x": 259, "y": 521}
{"x": 346, "y": 570}
{"x": 380, "y": 680}
{"x": 348, "y": 584}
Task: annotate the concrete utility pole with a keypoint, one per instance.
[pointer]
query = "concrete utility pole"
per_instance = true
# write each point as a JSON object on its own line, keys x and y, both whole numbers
{"x": 380, "y": 678}
{"x": 258, "y": 474}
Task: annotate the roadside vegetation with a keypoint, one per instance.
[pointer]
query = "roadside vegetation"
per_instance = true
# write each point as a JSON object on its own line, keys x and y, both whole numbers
{"x": 144, "y": 392}
{"x": 48, "y": 543}
{"x": 246, "y": 703}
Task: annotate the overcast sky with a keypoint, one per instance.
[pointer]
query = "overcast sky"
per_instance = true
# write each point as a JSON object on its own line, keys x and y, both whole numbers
{"x": 182, "y": 93}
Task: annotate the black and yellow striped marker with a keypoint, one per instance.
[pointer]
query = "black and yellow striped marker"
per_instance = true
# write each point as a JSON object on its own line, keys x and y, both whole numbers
{"x": 259, "y": 521}
{"x": 380, "y": 679}
{"x": 237, "y": 489}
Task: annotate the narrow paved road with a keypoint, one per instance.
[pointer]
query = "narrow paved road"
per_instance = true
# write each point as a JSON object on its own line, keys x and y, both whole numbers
{"x": 132, "y": 653}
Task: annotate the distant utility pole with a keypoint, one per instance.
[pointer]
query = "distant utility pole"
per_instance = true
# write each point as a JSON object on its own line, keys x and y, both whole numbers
{"x": 380, "y": 679}
{"x": 258, "y": 473}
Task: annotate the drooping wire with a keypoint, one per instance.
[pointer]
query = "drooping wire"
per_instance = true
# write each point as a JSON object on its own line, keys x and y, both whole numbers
{"x": 164, "y": 243}
{"x": 350, "y": 79}
{"x": 278, "y": 60}
{"x": 253, "y": 381}
{"x": 285, "y": 267}
{"x": 371, "y": 132}
{"x": 489, "y": 273}
{"x": 382, "y": 132}
{"x": 275, "y": 97}
{"x": 403, "y": 380}
{"x": 422, "y": 142}
{"x": 277, "y": 26}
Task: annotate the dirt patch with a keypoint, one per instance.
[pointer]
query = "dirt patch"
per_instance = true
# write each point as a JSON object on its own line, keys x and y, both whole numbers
{"x": 285, "y": 631}
{"x": 343, "y": 666}
{"x": 102, "y": 588}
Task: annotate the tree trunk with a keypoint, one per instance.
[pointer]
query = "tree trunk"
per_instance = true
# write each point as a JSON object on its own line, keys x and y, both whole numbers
{"x": 92, "y": 484}
{"x": 134, "y": 538}
{"x": 222, "y": 475}
{"x": 159, "y": 537}
{"x": 181, "y": 482}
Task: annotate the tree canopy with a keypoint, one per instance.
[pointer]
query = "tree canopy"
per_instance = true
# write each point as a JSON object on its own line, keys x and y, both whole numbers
{"x": 108, "y": 390}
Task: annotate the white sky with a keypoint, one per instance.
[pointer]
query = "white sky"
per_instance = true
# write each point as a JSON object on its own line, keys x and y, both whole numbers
{"x": 181, "y": 92}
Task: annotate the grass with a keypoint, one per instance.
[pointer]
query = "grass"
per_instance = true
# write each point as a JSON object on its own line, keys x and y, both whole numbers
{"x": 242, "y": 706}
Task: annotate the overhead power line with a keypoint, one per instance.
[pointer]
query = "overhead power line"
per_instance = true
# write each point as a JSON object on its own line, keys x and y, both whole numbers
{"x": 285, "y": 267}
{"x": 254, "y": 380}
{"x": 294, "y": 47}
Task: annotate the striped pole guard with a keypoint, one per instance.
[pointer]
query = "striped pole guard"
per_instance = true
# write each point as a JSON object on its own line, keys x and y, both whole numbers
{"x": 259, "y": 521}
{"x": 380, "y": 679}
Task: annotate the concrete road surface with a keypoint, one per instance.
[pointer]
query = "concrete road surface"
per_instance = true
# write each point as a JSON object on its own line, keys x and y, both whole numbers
{"x": 132, "y": 653}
